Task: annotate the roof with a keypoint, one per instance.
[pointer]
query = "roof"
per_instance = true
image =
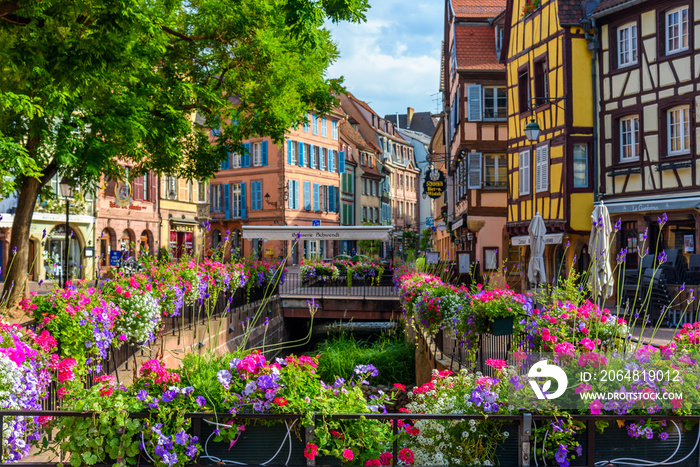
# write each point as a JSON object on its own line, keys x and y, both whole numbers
{"x": 422, "y": 122}
{"x": 476, "y": 48}
{"x": 477, "y": 8}
{"x": 570, "y": 11}
{"x": 354, "y": 137}
{"x": 609, "y": 6}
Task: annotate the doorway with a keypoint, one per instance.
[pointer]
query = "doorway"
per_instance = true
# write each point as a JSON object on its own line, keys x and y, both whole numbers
{"x": 55, "y": 252}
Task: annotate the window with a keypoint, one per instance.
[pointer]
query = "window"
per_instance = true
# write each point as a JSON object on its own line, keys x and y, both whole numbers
{"x": 291, "y": 156}
{"x": 324, "y": 127}
{"x": 170, "y": 187}
{"x": 236, "y": 160}
{"x": 306, "y": 123}
{"x": 145, "y": 187}
{"x": 524, "y": 175}
{"x": 364, "y": 213}
{"x": 495, "y": 170}
{"x": 256, "y": 152}
{"x": 322, "y": 154}
{"x": 256, "y": 196}
{"x": 678, "y": 120}
{"x": 334, "y": 133}
{"x": 627, "y": 45}
{"x": 314, "y": 124}
{"x": 677, "y": 30}
{"x": 542, "y": 174}
{"x": 580, "y": 165}
{"x": 629, "y": 139}
{"x": 490, "y": 258}
{"x": 216, "y": 198}
{"x": 541, "y": 82}
{"x": 236, "y": 200}
{"x": 495, "y": 100}
{"x": 524, "y": 90}
{"x": 364, "y": 186}
{"x": 201, "y": 192}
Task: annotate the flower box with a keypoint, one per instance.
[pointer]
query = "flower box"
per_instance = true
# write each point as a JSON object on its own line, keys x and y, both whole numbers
{"x": 502, "y": 326}
{"x": 256, "y": 445}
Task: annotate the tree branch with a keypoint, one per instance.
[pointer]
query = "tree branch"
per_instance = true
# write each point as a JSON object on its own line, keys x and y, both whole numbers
{"x": 8, "y": 8}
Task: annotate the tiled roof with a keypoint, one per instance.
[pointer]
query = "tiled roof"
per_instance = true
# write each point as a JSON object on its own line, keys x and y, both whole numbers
{"x": 570, "y": 11}
{"x": 477, "y": 8}
{"x": 476, "y": 48}
{"x": 353, "y": 136}
{"x": 606, "y": 5}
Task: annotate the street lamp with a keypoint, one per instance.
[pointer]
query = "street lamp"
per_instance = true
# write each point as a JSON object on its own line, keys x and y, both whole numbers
{"x": 532, "y": 131}
{"x": 66, "y": 192}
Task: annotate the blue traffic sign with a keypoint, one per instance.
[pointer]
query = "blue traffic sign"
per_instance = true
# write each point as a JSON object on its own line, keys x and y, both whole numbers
{"x": 429, "y": 221}
{"x": 316, "y": 223}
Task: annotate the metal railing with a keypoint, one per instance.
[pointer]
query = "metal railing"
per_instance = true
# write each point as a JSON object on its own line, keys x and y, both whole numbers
{"x": 295, "y": 285}
{"x": 605, "y": 448}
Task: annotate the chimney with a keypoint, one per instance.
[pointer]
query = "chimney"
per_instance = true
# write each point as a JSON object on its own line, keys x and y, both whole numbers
{"x": 398, "y": 125}
{"x": 409, "y": 116}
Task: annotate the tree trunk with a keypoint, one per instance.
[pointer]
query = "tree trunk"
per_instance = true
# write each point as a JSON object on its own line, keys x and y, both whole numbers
{"x": 16, "y": 276}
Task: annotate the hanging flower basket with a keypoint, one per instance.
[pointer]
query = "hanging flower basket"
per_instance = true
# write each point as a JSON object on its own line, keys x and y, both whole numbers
{"x": 502, "y": 326}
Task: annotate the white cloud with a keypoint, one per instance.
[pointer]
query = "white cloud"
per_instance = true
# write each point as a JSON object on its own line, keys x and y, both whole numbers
{"x": 393, "y": 60}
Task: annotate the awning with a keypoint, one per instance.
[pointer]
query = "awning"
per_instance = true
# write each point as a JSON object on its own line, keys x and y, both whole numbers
{"x": 270, "y": 232}
{"x": 645, "y": 205}
{"x": 549, "y": 239}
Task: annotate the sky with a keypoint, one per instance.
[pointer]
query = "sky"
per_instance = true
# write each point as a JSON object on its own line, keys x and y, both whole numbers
{"x": 392, "y": 61}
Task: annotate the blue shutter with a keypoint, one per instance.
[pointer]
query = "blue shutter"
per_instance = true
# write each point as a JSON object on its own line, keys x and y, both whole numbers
{"x": 296, "y": 194}
{"x": 301, "y": 154}
{"x": 331, "y": 198}
{"x": 307, "y": 196}
{"x": 331, "y": 160}
{"x": 312, "y": 159}
{"x": 211, "y": 198}
{"x": 341, "y": 162}
{"x": 245, "y": 158}
{"x": 244, "y": 210}
{"x": 290, "y": 194}
{"x": 227, "y": 201}
{"x": 290, "y": 148}
{"x": 317, "y": 204}
{"x": 306, "y": 123}
{"x": 264, "y": 152}
{"x": 314, "y": 124}
{"x": 321, "y": 159}
{"x": 324, "y": 127}
{"x": 255, "y": 188}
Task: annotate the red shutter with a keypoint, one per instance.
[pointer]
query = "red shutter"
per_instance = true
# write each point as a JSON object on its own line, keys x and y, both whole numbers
{"x": 152, "y": 187}
{"x": 138, "y": 188}
{"x": 111, "y": 185}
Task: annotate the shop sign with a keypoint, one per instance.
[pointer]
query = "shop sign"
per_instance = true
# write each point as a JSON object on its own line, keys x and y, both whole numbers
{"x": 182, "y": 228}
{"x": 124, "y": 195}
{"x": 434, "y": 184}
{"x": 115, "y": 257}
{"x": 441, "y": 226}
{"x": 458, "y": 223}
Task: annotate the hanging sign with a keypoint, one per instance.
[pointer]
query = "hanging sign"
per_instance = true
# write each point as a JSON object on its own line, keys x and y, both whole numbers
{"x": 434, "y": 184}
{"x": 123, "y": 195}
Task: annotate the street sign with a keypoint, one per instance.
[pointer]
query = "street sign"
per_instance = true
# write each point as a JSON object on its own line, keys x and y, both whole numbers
{"x": 441, "y": 226}
{"x": 429, "y": 221}
{"x": 115, "y": 257}
{"x": 316, "y": 223}
{"x": 434, "y": 184}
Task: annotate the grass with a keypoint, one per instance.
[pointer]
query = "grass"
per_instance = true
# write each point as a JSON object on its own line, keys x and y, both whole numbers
{"x": 393, "y": 357}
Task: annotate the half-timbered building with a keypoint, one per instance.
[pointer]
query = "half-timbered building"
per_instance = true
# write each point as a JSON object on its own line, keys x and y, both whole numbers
{"x": 649, "y": 72}
{"x": 550, "y": 88}
{"x": 477, "y": 136}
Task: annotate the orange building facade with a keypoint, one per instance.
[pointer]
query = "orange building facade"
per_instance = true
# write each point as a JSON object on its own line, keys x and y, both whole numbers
{"x": 296, "y": 183}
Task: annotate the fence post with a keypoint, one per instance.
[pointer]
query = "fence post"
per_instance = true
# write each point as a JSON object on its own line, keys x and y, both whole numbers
{"x": 590, "y": 434}
{"x": 525, "y": 432}
{"x": 309, "y": 433}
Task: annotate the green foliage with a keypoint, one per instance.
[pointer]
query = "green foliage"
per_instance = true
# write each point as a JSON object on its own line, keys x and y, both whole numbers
{"x": 426, "y": 240}
{"x": 393, "y": 357}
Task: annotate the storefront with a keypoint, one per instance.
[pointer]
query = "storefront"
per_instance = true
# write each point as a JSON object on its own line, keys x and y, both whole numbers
{"x": 182, "y": 237}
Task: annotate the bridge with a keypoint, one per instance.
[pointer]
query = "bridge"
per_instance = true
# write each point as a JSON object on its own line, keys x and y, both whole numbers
{"x": 359, "y": 302}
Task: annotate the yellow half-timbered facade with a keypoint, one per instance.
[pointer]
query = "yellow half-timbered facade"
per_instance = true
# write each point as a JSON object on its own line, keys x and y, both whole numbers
{"x": 649, "y": 77}
{"x": 550, "y": 86}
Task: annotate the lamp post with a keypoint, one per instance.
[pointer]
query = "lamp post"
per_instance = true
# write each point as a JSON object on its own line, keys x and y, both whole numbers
{"x": 66, "y": 192}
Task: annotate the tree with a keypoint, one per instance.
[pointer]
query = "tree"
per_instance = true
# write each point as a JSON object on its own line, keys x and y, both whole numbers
{"x": 84, "y": 83}
{"x": 426, "y": 239}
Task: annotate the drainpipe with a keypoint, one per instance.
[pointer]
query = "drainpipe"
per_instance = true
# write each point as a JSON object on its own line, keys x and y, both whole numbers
{"x": 593, "y": 39}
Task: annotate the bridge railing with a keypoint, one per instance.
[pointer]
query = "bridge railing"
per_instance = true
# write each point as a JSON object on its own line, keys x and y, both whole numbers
{"x": 520, "y": 448}
{"x": 296, "y": 285}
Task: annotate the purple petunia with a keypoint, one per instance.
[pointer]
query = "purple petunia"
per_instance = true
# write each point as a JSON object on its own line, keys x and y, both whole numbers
{"x": 142, "y": 395}
{"x": 201, "y": 401}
